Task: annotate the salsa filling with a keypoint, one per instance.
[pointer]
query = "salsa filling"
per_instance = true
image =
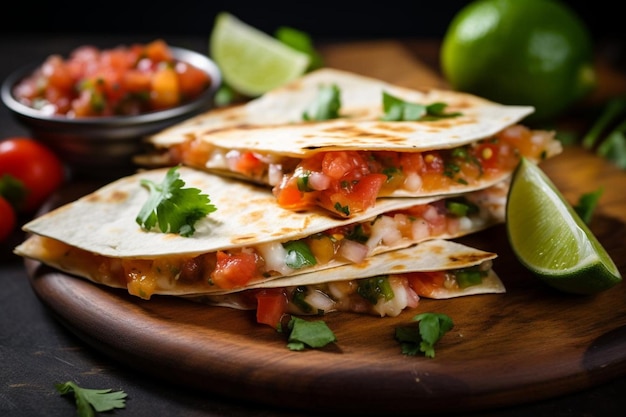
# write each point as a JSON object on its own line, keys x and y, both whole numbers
{"x": 236, "y": 268}
{"x": 349, "y": 181}
{"x": 384, "y": 295}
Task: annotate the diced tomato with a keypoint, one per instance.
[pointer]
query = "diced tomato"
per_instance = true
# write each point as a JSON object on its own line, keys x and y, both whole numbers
{"x": 488, "y": 154}
{"x": 412, "y": 162}
{"x": 248, "y": 163}
{"x": 158, "y": 50}
{"x": 271, "y": 306}
{"x": 58, "y": 75}
{"x": 135, "y": 81}
{"x": 426, "y": 283}
{"x": 354, "y": 196}
{"x": 192, "y": 80}
{"x": 234, "y": 269}
{"x": 114, "y": 80}
{"x": 338, "y": 165}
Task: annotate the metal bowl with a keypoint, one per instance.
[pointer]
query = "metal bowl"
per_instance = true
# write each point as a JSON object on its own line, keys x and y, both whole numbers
{"x": 104, "y": 145}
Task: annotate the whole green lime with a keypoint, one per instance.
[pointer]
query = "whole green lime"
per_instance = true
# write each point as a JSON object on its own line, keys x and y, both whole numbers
{"x": 527, "y": 52}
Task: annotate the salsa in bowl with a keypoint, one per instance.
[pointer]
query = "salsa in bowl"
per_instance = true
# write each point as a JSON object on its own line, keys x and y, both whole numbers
{"x": 94, "y": 110}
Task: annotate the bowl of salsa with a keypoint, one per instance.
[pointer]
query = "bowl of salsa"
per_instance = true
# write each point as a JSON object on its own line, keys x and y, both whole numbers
{"x": 95, "y": 107}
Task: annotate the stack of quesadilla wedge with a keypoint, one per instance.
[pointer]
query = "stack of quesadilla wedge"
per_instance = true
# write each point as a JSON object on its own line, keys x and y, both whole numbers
{"x": 345, "y": 240}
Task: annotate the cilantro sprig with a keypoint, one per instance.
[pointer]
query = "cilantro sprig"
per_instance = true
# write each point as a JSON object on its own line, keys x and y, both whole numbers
{"x": 171, "y": 208}
{"x": 432, "y": 327}
{"x": 303, "y": 334}
{"x": 395, "y": 110}
{"x": 326, "y": 105}
{"x": 90, "y": 401}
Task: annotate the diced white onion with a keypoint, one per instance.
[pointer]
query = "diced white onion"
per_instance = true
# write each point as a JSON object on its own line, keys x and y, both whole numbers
{"x": 404, "y": 297}
{"x": 232, "y": 157}
{"x": 275, "y": 174}
{"x": 274, "y": 255}
{"x": 413, "y": 182}
{"x": 353, "y": 251}
{"x": 320, "y": 301}
{"x": 420, "y": 230}
{"x": 318, "y": 181}
{"x": 384, "y": 230}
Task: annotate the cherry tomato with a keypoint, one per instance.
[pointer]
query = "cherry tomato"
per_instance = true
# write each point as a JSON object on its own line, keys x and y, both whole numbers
{"x": 7, "y": 219}
{"x": 35, "y": 165}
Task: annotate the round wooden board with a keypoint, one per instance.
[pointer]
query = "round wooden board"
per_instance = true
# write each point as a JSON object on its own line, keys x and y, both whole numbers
{"x": 528, "y": 344}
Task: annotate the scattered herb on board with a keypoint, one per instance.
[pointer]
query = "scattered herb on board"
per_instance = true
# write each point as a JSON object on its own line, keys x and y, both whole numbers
{"x": 90, "y": 401}
{"x": 304, "y": 334}
{"x": 172, "y": 208}
{"x": 432, "y": 327}
{"x": 396, "y": 109}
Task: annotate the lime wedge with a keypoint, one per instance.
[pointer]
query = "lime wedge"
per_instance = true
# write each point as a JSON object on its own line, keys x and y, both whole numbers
{"x": 551, "y": 240}
{"x": 253, "y": 62}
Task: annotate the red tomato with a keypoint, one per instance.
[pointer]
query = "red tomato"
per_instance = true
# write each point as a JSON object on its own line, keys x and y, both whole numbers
{"x": 488, "y": 155}
{"x": 358, "y": 197}
{"x": 271, "y": 305}
{"x": 426, "y": 283}
{"x": 7, "y": 219}
{"x": 234, "y": 270}
{"x": 37, "y": 167}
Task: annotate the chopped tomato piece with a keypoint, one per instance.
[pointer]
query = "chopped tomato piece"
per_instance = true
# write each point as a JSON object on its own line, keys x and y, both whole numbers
{"x": 354, "y": 196}
{"x": 271, "y": 306}
{"x": 234, "y": 269}
{"x": 248, "y": 163}
{"x": 426, "y": 283}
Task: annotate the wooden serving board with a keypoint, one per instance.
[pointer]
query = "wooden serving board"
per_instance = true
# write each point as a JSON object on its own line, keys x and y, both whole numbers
{"x": 528, "y": 344}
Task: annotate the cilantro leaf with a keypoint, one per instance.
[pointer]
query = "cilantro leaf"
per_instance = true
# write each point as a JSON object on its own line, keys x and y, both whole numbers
{"x": 312, "y": 334}
{"x": 172, "y": 208}
{"x": 326, "y": 105}
{"x": 432, "y": 327}
{"x": 300, "y": 41}
{"x": 587, "y": 204}
{"x": 299, "y": 254}
{"x": 396, "y": 110}
{"x": 90, "y": 401}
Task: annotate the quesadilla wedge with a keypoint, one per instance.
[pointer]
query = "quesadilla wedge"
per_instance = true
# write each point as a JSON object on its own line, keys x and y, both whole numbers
{"x": 247, "y": 240}
{"x": 343, "y": 164}
{"x": 382, "y": 285}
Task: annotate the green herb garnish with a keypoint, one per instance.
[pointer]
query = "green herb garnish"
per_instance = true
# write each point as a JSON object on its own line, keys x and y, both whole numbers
{"x": 460, "y": 207}
{"x": 374, "y": 288}
{"x": 432, "y": 327}
{"x": 587, "y": 204}
{"x": 299, "y": 254}
{"x": 172, "y": 208}
{"x": 325, "y": 106}
{"x": 469, "y": 277}
{"x": 90, "y": 401}
{"x": 396, "y": 109}
{"x": 300, "y": 41}
{"x": 311, "y": 334}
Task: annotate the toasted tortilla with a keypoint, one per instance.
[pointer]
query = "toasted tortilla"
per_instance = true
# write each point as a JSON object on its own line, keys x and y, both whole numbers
{"x": 97, "y": 235}
{"x": 279, "y": 111}
{"x": 271, "y": 131}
